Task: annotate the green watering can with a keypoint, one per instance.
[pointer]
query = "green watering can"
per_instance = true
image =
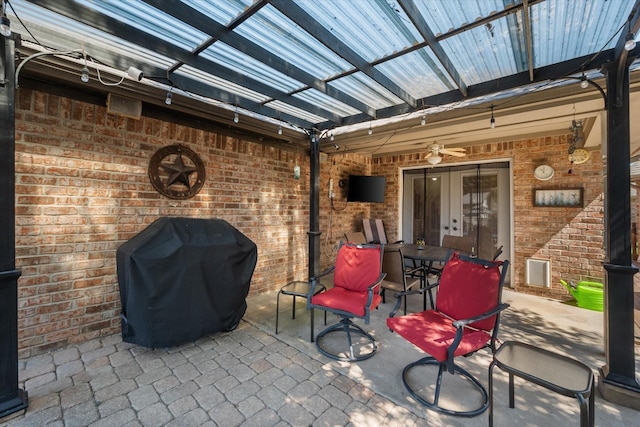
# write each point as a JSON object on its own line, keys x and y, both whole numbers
{"x": 590, "y": 295}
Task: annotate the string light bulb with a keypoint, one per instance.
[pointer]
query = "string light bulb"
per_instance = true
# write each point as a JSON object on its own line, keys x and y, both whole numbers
{"x": 492, "y": 121}
{"x": 584, "y": 83}
{"x": 84, "y": 76}
{"x": 630, "y": 42}
{"x": 5, "y": 24}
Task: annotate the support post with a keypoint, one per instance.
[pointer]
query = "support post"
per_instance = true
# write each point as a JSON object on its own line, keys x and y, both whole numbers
{"x": 617, "y": 381}
{"x": 12, "y": 398}
{"x": 314, "y": 204}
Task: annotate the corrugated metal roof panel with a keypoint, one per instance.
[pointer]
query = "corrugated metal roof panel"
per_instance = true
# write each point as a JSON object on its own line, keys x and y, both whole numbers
{"x": 563, "y": 30}
{"x": 140, "y": 15}
{"x": 277, "y": 34}
{"x": 328, "y": 103}
{"x": 417, "y": 73}
{"x": 215, "y": 81}
{"x": 366, "y": 90}
{"x": 373, "y": 32}
{"x": 223, "y": 11}
{"x": 482, "y": 53}
{"x": 239, "y": 61}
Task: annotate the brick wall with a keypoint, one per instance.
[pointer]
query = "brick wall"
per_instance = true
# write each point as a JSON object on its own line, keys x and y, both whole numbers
{"x": 572, "y": 238}
{"x": 82, "y": 190}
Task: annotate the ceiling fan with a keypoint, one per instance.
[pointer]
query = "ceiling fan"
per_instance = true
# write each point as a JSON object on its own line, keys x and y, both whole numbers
{"x": 435, "y": 150}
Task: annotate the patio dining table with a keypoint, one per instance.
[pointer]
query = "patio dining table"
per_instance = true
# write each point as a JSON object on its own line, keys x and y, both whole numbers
{"x": 426, "y": 256}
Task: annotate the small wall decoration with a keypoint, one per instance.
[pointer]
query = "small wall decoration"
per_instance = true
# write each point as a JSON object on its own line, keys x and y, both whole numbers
{"x": 176, "y": 172}
{"x": 561, "y": 197}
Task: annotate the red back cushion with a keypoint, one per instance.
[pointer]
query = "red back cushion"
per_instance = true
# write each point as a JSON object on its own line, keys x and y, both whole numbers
{"x": 468, "y": 289}
{"x": 357, "y": 267}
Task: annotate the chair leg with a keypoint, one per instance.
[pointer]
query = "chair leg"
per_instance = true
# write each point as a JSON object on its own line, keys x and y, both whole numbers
{"x": 433, "y": 404}
{"x": 277, "y": 311}
{"x": 348, "y": 327}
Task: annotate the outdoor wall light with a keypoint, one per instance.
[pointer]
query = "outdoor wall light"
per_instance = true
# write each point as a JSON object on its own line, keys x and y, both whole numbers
{"x": 630, "y": 43}
{"x": 169, "y": 99}
{"x": 279, "y": 129}
{"x": 423, "y": 121}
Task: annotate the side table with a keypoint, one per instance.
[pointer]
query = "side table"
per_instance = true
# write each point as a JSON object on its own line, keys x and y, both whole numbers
{"x": 550, "y": 370}
{"x": 301, "y": 289}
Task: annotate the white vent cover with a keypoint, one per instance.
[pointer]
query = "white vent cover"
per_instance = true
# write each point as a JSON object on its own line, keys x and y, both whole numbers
{"x": 538, "y": 272}
{"x": 124, "y": 106}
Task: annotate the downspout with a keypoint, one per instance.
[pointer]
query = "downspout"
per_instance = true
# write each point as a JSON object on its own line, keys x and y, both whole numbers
{"x": 12, "y": 398}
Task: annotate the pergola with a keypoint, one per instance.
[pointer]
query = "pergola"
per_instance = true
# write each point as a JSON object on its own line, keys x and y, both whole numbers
{"x": 311, "y": 72}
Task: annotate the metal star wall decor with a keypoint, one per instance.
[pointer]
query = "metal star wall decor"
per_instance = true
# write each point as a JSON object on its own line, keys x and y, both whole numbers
{"x": 176, "y": 172}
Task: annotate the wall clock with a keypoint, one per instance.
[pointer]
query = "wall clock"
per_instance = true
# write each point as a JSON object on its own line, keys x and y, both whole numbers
{"x": 579, "y": 156}
{"x": 176, "y": 172}
{"x": 544, "y": 172}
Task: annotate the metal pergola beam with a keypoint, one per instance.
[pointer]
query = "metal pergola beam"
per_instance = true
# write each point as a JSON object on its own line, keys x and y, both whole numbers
{"x": 116, "y": 28}
{"x": 12, "y": 398}
{"x": 225, "y": 34}
{"x": 305, "y": 21}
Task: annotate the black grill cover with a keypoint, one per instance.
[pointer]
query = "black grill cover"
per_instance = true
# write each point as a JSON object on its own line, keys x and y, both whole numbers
{"x": 183, "y": 278}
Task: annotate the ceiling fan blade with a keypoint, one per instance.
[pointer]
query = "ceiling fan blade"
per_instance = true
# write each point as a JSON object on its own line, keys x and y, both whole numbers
{"x": 453, "y": 153}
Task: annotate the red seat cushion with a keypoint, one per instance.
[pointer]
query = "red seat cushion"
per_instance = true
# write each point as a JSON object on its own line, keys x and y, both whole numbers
{"x": 468, "y": 289}
{"x": 345, "y": 300}
{"x": 433, "y": 333}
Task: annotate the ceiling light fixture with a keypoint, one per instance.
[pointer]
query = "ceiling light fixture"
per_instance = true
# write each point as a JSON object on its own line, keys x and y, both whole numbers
{"x": 492, "y": 121}
{"x": 630, "y": 42}
{"x": 5, "y": 24}
{"x": 370, "y": 130}
{"x": 434, "y": 160}
{"x": 236, "y": 117}
{"x": 169, "y": 99}
{"x": 423, "y": 121}
{"x": 279, "y": 129}
{"x": 332, "y": 137}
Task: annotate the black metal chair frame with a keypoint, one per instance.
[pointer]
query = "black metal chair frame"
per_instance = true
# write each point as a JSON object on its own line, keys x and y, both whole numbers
{"x": 449, "y": 365}
{"x": 346, "y": 325}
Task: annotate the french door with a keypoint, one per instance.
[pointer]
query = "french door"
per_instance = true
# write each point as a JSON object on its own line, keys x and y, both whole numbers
{"x": 468, "y": 200}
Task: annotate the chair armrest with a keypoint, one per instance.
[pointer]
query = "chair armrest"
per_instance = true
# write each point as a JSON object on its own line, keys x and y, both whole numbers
{"x": 323, "y": 273}
{"x": 460, "y": 325}
{"x": 399, "y": 295}
{"x": 465, "y": 322}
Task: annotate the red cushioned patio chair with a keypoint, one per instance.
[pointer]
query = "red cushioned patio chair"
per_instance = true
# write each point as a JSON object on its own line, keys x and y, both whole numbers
{"x": 465, "y": 320}
{"x": 357, "y": 274}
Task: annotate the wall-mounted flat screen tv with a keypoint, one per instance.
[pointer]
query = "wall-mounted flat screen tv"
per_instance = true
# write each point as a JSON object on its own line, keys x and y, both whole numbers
{"x": 366, "y": 188}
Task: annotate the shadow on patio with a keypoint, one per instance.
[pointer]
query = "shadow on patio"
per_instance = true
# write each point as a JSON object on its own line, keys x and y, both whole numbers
{"x": 253, "y": 377}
